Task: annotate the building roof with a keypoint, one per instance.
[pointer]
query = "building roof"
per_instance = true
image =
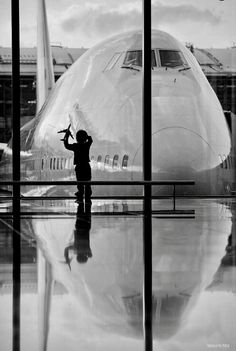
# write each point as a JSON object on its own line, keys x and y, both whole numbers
{"x": 62, "y": 58}
{"x": 226, "y": 56}
{"x": 217, "y": 60}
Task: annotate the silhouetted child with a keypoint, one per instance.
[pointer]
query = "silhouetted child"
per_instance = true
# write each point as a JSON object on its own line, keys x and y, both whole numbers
{"x": 81, "y": 162}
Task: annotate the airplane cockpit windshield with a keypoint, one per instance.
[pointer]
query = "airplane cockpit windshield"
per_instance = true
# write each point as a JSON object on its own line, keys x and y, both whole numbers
{"x": 134, "y": 58}
{"x": 160, "y": 58}
{"x": 171, "y": 58}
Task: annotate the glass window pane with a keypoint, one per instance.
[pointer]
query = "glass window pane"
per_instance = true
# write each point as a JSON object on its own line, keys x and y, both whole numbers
{"x": 193, "y": 137}
{"x": 113, "y": 61}
{"x": 133, "y": 58}
{"x": 6, "y": 286}
{"x": 170, "y": 58}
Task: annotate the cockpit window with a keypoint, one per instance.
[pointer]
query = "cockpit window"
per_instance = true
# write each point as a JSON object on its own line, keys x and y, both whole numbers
{"x": 113, "y": 61}
{"x": 171, "y": 58}
{"x": 134, "y": 58}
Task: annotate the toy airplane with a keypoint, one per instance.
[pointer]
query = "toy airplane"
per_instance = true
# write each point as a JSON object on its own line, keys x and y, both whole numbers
{"x": 66, "y": 131}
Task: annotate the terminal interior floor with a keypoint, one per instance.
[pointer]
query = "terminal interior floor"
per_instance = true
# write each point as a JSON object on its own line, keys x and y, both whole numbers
{"x": 82, "y": 276}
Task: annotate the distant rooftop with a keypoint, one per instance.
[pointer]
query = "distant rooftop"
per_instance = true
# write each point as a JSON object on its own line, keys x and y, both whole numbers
{"x": 221, "y": 60}
{"x": 62, "y": 58}
{"x": 226, "y": 56}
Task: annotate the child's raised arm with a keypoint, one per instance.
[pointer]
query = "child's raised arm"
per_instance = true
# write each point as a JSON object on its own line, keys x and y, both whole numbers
{"x": 66, "y": 142}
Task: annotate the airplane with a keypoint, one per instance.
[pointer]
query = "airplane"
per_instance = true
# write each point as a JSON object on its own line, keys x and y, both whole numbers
{"x": 101, "y": 93}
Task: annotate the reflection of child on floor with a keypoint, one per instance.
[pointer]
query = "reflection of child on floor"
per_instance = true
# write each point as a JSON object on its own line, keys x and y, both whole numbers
{"x": 81, "y": 244}
{"x": 81, "y": 162}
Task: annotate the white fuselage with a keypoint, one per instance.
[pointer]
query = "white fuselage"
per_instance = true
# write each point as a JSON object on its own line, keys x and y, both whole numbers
{"x": 102, "y": 93}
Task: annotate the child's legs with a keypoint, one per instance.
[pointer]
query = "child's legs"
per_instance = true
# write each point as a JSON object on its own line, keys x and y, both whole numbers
{"x": 80, "y": 191}
{"x": 83, "y": 172}
{"x": 80, "y": 187}
{"x": 88, "y": 192}
{"x": 88, "y": 176}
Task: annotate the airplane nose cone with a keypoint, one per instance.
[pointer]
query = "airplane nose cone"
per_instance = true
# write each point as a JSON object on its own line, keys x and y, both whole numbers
{"x": 178, "y": 148}
{"x": 177, "y": 154}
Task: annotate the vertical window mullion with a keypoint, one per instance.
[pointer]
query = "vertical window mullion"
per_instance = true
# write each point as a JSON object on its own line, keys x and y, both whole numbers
{"x": 147, "y": 174}
{"x": 16, "y": 276}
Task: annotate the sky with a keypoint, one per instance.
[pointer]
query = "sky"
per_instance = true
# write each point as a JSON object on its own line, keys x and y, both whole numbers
{"x": 80, "y": 23}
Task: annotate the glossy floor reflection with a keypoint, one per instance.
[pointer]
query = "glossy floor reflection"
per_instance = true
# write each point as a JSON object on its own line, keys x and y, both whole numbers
{"x": 82, "y": 277}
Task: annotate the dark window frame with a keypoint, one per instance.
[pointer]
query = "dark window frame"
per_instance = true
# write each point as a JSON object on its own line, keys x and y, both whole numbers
{"x": 115, "y": 162}
{"x": 125, "y": 161}
{"x": 161, "y": 58}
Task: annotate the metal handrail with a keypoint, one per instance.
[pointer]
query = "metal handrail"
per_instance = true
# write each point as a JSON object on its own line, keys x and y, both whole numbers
{"x": 98, "y": 182}
{"x": 173, "y": 183}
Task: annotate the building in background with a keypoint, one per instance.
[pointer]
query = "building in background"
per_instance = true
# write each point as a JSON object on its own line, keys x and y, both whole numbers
{"x": 62, "y": 59}
{"x": 219, "y": 66}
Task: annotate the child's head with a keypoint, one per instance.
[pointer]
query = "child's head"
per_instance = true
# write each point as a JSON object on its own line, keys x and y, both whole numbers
{"x": 81, "y": 136}
{"x": 82, "y": 258}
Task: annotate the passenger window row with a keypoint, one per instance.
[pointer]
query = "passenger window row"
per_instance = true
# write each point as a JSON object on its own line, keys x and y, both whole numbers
{"x": 111, "y": 162}
{"x": 60, "y": 163}
{"x": 56, "y": 163}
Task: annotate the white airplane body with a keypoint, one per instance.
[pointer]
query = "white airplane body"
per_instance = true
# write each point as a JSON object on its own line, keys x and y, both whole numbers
{"x": 101, "y": 93}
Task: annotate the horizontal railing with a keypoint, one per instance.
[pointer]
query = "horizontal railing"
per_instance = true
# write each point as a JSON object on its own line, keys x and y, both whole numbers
{"x": 97, "y": 182}
{"x": 20, "y": 183}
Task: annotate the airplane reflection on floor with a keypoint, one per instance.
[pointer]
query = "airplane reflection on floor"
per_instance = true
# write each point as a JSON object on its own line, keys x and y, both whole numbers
{"x": 100, "y": 306}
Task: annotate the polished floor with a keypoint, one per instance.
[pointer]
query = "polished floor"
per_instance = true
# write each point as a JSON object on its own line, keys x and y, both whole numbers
{"x": 82, "y": 275}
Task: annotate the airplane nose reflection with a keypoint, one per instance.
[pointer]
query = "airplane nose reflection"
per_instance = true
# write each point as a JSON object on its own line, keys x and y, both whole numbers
{"x": 167, "y": 313}
{"x": 108, "y": 285}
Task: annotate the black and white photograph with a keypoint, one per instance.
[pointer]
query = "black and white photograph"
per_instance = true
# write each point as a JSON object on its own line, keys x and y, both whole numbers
{"x": 117, "y": 175}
